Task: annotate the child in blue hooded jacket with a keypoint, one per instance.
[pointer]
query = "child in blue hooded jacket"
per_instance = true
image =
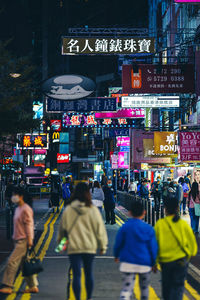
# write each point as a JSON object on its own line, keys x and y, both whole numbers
{"x": 136, "y": 248}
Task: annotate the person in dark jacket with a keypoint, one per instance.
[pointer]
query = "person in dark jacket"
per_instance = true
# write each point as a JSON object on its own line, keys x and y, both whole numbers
{"x": 144, "y": 192}
{"x": 109, "y": 203}
{"x": 66, "y": 191}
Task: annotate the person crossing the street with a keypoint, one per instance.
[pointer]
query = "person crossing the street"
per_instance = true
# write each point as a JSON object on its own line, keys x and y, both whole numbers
{"x": 83, "y": 225}
{"x": 23, "y": 238}
{"x": 109, "y": 203}
{"x": 174, "y": 255}
{"x": 136, "y": 249}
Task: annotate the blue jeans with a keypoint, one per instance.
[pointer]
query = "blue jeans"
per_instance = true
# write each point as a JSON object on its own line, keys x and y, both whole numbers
{"x": 76, "y": 261}
{"x": 184, "y": 205}
{"x": 194, "y": 220}
{"x": 173, "y": 279}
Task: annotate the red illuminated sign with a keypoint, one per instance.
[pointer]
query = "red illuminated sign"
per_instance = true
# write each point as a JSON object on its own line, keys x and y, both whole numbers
{"x": 33, "y": 141}
{"x": 56, "y": 125}
{"x": 63, "y": 158}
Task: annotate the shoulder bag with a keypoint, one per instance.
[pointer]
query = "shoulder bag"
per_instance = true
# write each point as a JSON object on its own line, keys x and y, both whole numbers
{"x": 31, "y": 265}
{"x": 179, "y": 243}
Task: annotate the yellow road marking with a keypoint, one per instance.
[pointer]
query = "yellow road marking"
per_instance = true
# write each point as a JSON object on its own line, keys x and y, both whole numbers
{"x": 119, "y": 219}
{"x": 19, "y": 279}
{"x": 152, "y": 294}
{"x": 46, "y": 246}
{"x": 83, "y": 289}
{"x": 192, "y": 291}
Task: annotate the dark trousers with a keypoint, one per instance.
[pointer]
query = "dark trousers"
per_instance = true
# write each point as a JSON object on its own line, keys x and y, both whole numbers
{"x": 76, "y": 261}
{"x": 184, "y": 204}
{"x": 157, "y": 198}
{"x": 110, "y": 214}
{"x": 173, "y": 278}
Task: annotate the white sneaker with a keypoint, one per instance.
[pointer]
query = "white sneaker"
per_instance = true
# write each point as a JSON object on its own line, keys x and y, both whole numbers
{"x": 125, "y": 296}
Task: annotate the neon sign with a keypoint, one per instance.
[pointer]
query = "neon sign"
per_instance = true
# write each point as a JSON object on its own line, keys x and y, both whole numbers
{"x": 33, "y": 141}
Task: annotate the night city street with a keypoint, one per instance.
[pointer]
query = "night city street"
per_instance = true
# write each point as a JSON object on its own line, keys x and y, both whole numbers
{"x": 100, "y": 149}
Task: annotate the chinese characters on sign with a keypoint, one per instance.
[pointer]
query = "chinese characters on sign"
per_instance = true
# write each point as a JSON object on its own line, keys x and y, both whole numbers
{"x": 123, "y": 141}
{"x": 189, "y": 146}
{"x": 150, "y": 101}
{"x": 165, "y": 143}
{"x": 90, "y": 120}
{"x": 158, "y": 79}
{"x": 112, "y": 46}
{"x": 33, "y": 141}
{"x": 83, "y": 105}
{"x": 122, "y": 113}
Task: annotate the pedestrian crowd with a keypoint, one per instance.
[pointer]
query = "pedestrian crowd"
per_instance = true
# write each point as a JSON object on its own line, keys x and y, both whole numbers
{"x": 139, "y": 248}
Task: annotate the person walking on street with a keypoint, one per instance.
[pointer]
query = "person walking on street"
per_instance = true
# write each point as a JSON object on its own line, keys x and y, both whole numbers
{"x": 157, "y": 193}
{"x": 82, "y": 223}
{"x": 109, "y": 203}
{"x": 136, "y": 248}
{"x": 132, "y": 188}
{"x": 23, "y": 238}
{"x": 97, "y": 195}
{"x": 174, "y": 254}
{"x": 144, "y": 191}
{"x": 66, "y": 192}
{"x": 194, "y": 199}
{"x": 55, "y": 192}
{"x": 185, "y": 194}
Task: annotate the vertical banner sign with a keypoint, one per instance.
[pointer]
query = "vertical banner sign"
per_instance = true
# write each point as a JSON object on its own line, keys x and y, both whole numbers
{"x": 165, "y": 143}
{"x": 189, "y": 146}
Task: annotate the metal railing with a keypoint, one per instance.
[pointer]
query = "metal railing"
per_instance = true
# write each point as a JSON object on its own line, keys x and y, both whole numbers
{"x": 154, "y": 211}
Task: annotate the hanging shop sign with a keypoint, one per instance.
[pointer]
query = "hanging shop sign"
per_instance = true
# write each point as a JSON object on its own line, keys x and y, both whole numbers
{"x": 68, "y": 87}
{"x": 122, "y": 113}
{"x": 138, "y": 154}
{"x": 189, "y": 146}
{"x": 114, "y": 90}
{"x": 106, "y": 46}
{"x": 56, "y": 125}
{"x": 148, "y": 118}
{"x": 6, "y": 161}
{"x": 116, "y": 132}
{"x": 123, "y": 141}
{"x": 114, "y": 161}
{"x": 56, "y": 137}
{"x": 83, "y": 120}
{"x": 82, "y": 105}
{"x": 123, "y": 160}
{"x": 151, "y": 101}
{"x": 33, "y": 141}
{"x": 63, "y": 158}
{"x": 158, "y": 79}
{"x": 187, "y": 1}
{"x": 124, "y": 148}
{"x": 166, "y": 142}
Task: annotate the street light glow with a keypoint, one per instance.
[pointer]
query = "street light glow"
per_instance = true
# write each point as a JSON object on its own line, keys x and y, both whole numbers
{"x": 15, "y": 75}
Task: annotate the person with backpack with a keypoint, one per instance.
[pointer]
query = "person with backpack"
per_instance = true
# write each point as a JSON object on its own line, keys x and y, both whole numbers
{"x": 174, "y": 255}
{"x": 194, "y": 200}
{"x": 185, "y": 194}
{"x": 66, "y": 192}
{"x": 83, "y": 225}
{"x": 97, "y": 195}
{"x": 136, "y": 249}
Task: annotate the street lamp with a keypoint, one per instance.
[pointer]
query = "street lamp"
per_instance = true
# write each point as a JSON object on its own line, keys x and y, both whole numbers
{"x": 15, "y": 75}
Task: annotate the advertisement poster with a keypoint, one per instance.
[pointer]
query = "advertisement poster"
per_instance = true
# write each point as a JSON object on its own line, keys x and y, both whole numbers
{"x": 123, "y": 141}
{"x": 189, "y": 146}
{"x": 158, "y": 79}
{"x": 166, "y": 143}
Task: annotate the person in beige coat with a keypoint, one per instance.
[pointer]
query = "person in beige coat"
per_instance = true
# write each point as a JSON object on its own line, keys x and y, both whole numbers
{"x": 82, "y": 223}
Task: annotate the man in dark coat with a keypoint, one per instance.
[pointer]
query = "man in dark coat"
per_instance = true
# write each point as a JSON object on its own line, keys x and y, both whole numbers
{"x": 109, "y": 203}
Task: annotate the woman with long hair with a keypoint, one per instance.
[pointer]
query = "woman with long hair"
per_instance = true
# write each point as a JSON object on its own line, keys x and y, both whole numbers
{"x": 23, "y": 238}
{"x": 174, "y": 254}
{"x": 83, "y": 225}
{"x": 194, "y": 198}
{"x": 97, "y": 195}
